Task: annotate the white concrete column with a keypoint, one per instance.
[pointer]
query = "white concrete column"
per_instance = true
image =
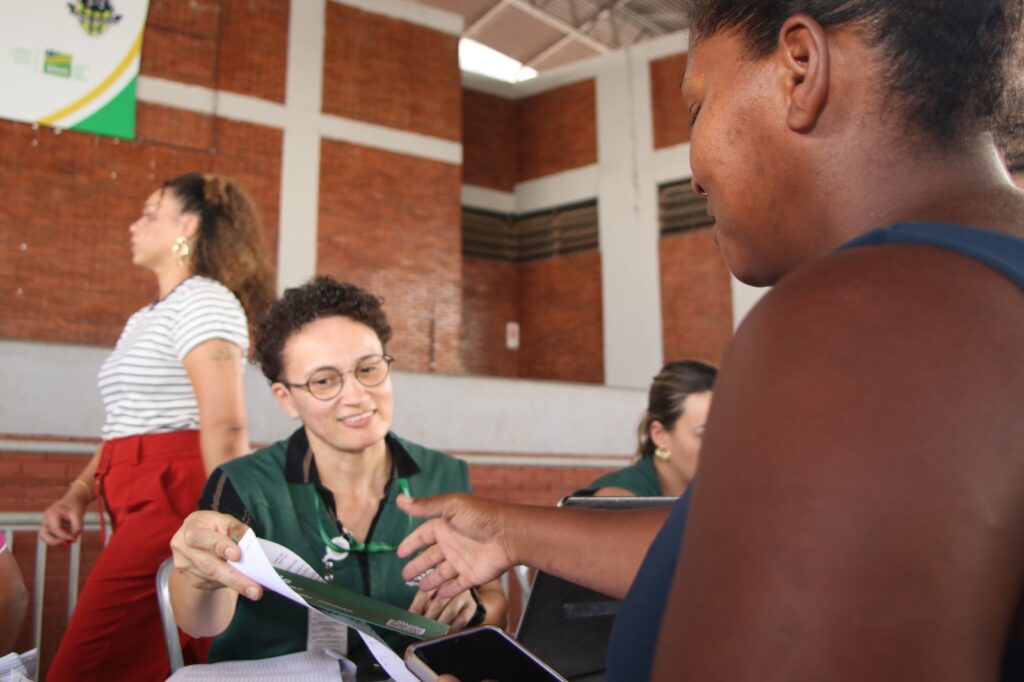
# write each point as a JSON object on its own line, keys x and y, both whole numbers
{"x": 628, "y": 226}
{"x": 744, "y": 297}
{"x": 300, "y": 158}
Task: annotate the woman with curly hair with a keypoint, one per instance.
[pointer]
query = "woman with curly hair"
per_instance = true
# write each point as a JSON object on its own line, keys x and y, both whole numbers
{"x": 173, "y": 394}
{"x": 327, "y": 492}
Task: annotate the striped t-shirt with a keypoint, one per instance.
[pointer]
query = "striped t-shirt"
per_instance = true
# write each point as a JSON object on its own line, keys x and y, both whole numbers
{"x": 143, "y": 382}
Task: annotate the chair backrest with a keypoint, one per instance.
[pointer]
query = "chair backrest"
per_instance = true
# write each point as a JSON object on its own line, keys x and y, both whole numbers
{"x": 567, "y": 625}
{"x": 11, "y": 522}
{"x": 163, "y": 595}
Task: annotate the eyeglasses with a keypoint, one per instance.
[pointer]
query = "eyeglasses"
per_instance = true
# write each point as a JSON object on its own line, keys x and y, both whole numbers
{"x": 326, "y": 383}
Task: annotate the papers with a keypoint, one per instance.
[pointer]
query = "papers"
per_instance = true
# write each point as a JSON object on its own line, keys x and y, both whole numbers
{"x": 279, "y": 569}
{"x": 306, "y": 666}
{"x": 19, "y": 668}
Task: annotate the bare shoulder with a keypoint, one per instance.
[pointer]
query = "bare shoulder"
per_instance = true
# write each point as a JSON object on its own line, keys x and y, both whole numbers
{"x": 862, "y": 477}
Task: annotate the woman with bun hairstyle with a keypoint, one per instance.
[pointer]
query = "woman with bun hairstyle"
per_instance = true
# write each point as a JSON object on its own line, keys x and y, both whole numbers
{"x": 173, "y": 395}
{"x": 669, "y": 435}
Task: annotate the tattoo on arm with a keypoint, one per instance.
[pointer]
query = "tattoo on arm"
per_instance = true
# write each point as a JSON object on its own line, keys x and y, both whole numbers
{"x": 224, "y": 353}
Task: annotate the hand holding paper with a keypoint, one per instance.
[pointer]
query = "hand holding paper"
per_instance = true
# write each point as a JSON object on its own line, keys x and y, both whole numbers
{"x": 282, "y": 571}
{"x": 203, "y": 548}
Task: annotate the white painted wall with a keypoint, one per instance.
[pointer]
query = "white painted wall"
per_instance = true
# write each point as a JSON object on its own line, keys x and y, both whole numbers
{"x": 50, "y": 390}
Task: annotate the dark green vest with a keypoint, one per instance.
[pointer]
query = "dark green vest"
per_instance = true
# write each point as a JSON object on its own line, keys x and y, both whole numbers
{"x": 283, "y": 511}
{"x": 640, "y": 478}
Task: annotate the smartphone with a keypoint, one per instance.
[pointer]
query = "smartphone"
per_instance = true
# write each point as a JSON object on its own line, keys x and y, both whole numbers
{"x": 475, "y": 655}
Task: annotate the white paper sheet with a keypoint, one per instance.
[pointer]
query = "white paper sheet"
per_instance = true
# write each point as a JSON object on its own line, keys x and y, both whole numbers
{"x": 15, "y": 667}
{"x": 303, "y": 666}
{"x": 260, "y": 557}
{"x": 256, "y": 565}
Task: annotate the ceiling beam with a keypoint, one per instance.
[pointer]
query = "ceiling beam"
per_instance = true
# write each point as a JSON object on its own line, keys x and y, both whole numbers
{"x": 636, "y": 17}
{"x": 558, "y": 24}
{"x": 485, "y": 18}
{"x": 549, "y": 50}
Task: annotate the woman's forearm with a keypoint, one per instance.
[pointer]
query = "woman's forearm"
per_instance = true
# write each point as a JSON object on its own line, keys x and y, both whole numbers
{"x": 221, "y": 442}
{"x": 201, "y": 613}
{"x": 88, "y": 475}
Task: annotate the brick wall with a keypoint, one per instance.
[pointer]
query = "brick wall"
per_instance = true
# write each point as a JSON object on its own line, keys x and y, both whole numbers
{"x": 490, "y": 146}
{"x": 696, "y": 297}
{"x": 236, "y": 45}
{"x": 490, "y": 299}
{"x": 557, "y": 302}
{"x": 507, "y": 142}
{"x": 392, "y": 73}
{"x": 670, "y": 119}
{"x": 556, "y": 130}
{"x": 543, "y": 486}
{"x": 64, "y": 241}
{"x": 561, "y": 319}
{"x": 391, "y": 223}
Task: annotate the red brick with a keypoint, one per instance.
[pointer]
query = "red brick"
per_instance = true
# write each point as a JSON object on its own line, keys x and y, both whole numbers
{"x": 696, "y": 297}
{"x": 489, "y": 143}
{"x": 391, "y": 223}
{"x": 253, "y": 53}
{"x": 392, "y": 73}
{"x": 557, "y": 130}
{"x": 490, "y": 299}
{"x": 561, "y": 319}
{"x": 670, "y": 119}
{"x": 236, "y": 45}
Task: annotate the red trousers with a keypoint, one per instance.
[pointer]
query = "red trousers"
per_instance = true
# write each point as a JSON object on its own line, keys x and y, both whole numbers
{"x": 148, "y": 484}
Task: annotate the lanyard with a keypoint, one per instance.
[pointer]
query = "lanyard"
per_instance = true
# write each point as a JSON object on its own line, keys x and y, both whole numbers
{"x": 353, "y": 546}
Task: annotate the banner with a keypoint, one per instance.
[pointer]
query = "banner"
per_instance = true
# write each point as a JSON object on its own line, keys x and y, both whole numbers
{"x": 71, "y": 64}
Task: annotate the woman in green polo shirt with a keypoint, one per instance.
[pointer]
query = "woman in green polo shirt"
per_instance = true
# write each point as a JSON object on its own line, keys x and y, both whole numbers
{"x": 327, "y": 492}
{"x": 669, "y": 435}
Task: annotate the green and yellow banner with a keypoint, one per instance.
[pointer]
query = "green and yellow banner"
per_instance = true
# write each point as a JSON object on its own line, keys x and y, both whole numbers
{"x": 71, "y": 64}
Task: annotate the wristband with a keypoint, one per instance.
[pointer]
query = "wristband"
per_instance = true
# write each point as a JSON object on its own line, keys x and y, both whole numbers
{"x": 84, "y": 485}
{"x": 481, "y": 612}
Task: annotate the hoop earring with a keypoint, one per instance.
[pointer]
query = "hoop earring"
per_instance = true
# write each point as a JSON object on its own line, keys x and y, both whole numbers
{"x": 181, "y": 249}
{"x": 662, "y": 453}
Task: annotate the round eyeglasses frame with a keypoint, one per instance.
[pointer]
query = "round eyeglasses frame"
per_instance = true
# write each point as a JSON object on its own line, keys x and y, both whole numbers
{"x": 385, "y": 358}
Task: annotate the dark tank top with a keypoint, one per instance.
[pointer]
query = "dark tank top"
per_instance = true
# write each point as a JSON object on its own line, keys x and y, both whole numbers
{"x": 637, "y": 626}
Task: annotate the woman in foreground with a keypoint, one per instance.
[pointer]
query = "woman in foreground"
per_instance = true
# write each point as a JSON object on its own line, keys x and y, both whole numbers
{"x": 859, "y": 512}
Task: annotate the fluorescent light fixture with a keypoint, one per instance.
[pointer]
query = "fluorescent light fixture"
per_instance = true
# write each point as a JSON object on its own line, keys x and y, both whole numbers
{"x": 485, "y": 61}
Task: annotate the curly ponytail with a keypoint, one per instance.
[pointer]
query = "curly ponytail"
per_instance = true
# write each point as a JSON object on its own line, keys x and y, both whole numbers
{"x": 229, "y": 245}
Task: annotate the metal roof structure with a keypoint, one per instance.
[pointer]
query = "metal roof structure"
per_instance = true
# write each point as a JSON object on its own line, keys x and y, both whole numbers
{"x": 544, "y": 34}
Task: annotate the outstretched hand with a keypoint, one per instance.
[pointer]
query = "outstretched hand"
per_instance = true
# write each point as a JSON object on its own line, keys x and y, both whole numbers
{"x": 466, "y": 542}
{"x": 202, "y": 548}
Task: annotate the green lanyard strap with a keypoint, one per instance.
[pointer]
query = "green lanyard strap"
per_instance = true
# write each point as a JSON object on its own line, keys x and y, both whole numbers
{"x": 368, "y": 547}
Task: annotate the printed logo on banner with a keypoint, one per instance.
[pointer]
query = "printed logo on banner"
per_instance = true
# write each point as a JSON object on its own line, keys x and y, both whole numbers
{"x": 95, "y": 16}
{"x": 57, "y": 63}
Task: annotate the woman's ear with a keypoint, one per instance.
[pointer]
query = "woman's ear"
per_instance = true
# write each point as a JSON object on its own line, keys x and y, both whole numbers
{"x": 659, "y": 434}
{"x": 284, "y": 399}
{"x": 189, "y": 225}
{"x": 803, "y": 52}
